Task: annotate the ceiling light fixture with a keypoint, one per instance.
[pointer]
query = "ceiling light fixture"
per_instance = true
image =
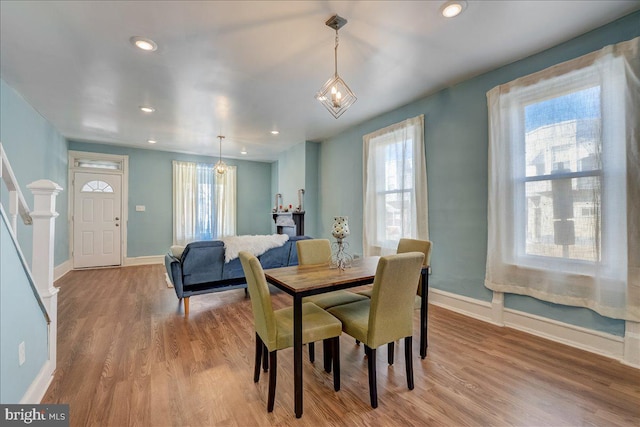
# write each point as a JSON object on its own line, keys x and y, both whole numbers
{"x": 275, "y": 132}
{"x": 146, "y": 109}
{"x": 243, "y": 151}
{"x": 143, "y": 43}
{"x": 151, "y": 141}
{"x": 453, "y": 8}
{"x": 335, "y": 95}
{"x": 220, "y": 167}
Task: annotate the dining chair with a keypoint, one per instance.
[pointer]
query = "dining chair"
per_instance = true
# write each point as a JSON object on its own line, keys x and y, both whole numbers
{"x": 404, "y": 246}
{"x": 274, "y": 328}
{"x": 318, "y": 251}
{"x": 388, "y": 315}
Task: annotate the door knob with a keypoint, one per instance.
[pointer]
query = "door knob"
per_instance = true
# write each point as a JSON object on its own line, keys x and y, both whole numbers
{"x": 117, "y": 218}
{"x": 117, "y": 225}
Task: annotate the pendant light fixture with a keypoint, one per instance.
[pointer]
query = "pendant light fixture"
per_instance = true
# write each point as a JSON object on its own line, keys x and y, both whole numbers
{"x": 220, "y": 167}
{"x": 335, "y": 95}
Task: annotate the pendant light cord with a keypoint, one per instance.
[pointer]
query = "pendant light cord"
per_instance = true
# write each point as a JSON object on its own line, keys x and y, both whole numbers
{"x": 336, "y": 55}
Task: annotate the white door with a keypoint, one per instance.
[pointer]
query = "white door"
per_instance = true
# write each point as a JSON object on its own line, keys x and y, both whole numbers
{"x": 96, "y": 219}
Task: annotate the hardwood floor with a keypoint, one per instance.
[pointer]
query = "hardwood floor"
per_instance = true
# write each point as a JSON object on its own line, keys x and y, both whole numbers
{"x": 127, "y": 357}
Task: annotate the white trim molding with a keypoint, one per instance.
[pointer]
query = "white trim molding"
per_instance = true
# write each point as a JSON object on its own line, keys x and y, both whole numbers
{"x": 623, "y": 349}
{"x": 122, "y": 161}
{"x": 632, "y": 344}
{"x": 40, "y": 384}
{"x": 62, "y": 269}
{"x": 144, "y": 260}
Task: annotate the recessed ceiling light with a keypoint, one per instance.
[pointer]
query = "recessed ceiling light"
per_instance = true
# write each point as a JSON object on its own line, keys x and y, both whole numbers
{"x": 147, "y": 109}
{"x": 275, "y": 132}
{"x": 244, "y": 151}
{"x": 453, "y": 8}
{"x": 151, "y": 141}
{"x": 143, "y": 43}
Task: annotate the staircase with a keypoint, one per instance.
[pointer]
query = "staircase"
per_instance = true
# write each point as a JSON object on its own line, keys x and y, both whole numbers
{"x": 38, "y": 277}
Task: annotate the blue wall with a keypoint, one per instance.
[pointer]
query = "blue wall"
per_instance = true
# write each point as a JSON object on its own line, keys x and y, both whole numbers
{"x": 291, "y": 175}
{"x": 456, "y": 144}
{"x": 20, "y": 320}
{"x": 151, "y": 184}
{"x": 36, "y": 151}
{"x": 297, "y": 168}
{"x": 311, "y": 188}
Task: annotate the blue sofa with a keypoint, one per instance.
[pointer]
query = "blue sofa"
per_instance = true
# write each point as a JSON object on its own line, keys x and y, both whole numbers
{"x": 201, "y": 269}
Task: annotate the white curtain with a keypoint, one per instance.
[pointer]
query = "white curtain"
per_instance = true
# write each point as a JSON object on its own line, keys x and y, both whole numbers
{"x": 226, "y": 203}
{"x": 204, "y": 204}
{"x": 564, "y": 183}
{"x": 395, "y": 186}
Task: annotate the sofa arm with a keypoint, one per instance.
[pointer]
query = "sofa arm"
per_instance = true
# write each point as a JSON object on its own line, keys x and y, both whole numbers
{"x": 174, "y": 271}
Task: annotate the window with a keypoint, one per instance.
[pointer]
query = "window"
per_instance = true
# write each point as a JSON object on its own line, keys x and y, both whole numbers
{"x": 561, "y": 173}
{"x": 96, "y": 187}
{"x": 204, "y": 203}
{"x": 562, "y": 151}
{"x": 395, "y": 186}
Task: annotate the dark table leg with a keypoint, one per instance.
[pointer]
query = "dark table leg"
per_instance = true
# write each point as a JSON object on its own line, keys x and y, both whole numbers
{"x": 424, "y": 307}
{"x": 297, "y": 353}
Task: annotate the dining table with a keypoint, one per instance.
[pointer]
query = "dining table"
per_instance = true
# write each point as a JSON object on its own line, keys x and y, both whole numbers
{"x": 301, "y": 281}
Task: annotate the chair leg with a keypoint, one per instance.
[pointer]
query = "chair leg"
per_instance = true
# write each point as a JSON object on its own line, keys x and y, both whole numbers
{"x": 312, "y": 352}
{"x": 335, "y": 349}
{"x": 357, "y": 342}
{"x": 265, "y": 358}
{"x": 371, "y": 363}
{"x": 259, "y": 346}
{"x": 408, "y": 361}
{"x": 326, "y": 354}
{"x": 186, "y": 306}
{"x": 390, "y": 348}
{"x": 272, "y": 380}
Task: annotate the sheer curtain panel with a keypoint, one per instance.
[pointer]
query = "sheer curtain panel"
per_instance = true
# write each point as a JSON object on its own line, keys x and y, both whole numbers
{"x": 204, "y": 203}
{"x": 564, "y": 183}
{"x": 395, "y": 186}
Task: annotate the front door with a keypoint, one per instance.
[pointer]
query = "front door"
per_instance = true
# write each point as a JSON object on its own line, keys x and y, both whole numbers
{"x": 96, "y": 219}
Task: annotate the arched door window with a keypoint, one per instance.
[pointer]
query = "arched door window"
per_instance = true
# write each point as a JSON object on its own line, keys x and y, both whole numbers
{"x": 96, "y": 187}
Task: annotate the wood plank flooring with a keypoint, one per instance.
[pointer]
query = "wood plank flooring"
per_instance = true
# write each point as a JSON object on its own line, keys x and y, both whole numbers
{"x": 127, "y": 357}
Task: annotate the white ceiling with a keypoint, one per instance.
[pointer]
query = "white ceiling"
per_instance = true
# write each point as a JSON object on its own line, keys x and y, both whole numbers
{"x": 244, "y": 68}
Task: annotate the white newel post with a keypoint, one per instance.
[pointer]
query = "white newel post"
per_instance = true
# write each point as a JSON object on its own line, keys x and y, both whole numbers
{"x": 44, "y": 215}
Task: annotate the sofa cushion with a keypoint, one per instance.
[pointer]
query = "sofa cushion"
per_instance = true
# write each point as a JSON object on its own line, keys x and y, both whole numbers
{"x": 202, "y": 262}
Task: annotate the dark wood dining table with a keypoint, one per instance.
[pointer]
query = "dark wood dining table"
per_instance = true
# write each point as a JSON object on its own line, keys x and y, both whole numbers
{"x": 305, "y": 280}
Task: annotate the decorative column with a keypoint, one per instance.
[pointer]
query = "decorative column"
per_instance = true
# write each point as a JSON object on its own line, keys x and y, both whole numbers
{"x": 44, "y": 215}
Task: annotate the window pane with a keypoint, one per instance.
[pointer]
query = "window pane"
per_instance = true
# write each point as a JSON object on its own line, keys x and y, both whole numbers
{"x": 96, "y": 187}
{"x": 563, "y": 218}
{"x": 398, "y": 165}
{"x": 563, "y": 133}
{"x": 397, "y": 216}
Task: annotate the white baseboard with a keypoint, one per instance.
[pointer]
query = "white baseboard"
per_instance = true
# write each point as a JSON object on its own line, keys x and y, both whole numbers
{"x": 62, "y": 269}
{"x": 39, "y": 386}
{"x": 144, "y": 260}
{"x": 471, "y": 307}
{"x": 601, "y": 343}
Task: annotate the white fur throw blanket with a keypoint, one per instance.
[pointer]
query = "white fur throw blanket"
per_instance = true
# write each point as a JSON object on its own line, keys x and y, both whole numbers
{"x": 257, "y": 245}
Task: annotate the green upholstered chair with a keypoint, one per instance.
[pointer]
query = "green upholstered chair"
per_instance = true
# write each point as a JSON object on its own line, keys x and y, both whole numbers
{"x": 318, "y": 251}
{"x": 404, "y": 246}
{"x": 274, "y": 329}
{"x": 388, "y": 315}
